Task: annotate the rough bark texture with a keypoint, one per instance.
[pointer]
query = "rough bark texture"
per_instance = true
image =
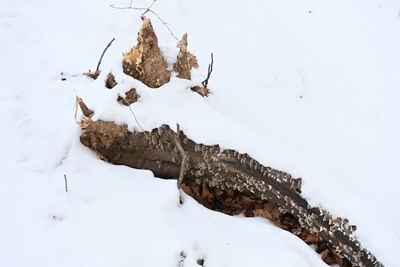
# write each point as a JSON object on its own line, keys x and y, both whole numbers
{"x": 144, "y": 61}
{"x": 185, "y": 61}
{"x": 230, "y": 182}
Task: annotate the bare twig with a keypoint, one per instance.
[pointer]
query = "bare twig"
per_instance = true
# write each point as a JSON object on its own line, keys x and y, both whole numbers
{"x": 148, "y": 10}
{"x": 128, "y": 7}
{"x": 96, "y": 73}
{"x": 210, "y": 69}
{"x": 65, "y": 182}
{"x": 134, "y": 116}
{"x": 165, "y": 24}
{"x": 104, "y": 51}
{"x": 184, "y": 156}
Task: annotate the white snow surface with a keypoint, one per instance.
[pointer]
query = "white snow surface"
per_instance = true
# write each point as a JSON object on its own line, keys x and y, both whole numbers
{"x": 309, "y": 87}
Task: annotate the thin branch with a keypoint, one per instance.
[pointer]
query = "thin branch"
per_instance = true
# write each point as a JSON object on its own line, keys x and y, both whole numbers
{"x": 148, "y": 10}
{"x": 134, "y": 116}
{"x": 128, "y": 7}
{"x": 165, "y": 24}
{"x": 104, "y": 51}
{"x": 65, "y": 182}
{"x": 184, "y": 156}
{"x": 210, "y": 69}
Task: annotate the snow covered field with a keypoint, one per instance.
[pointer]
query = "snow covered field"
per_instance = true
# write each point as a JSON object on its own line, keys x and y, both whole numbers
{"x": 309, "y": 87}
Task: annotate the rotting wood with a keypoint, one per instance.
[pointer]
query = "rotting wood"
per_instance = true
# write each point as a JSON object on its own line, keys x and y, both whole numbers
{"x": 200, "y": 90}
{"x": 144, "y": 61}
{"x": 85, "y": 110}
{"x": 110, "y": 81}
{"x": 229, "y": 182}
{"x": 131, "y": 97}
{"x": 185, "y": 60}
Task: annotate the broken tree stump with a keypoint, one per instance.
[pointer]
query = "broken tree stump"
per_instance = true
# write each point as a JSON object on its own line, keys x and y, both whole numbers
{"x": 144, "y": 61}
{"x": 229, "y": 182}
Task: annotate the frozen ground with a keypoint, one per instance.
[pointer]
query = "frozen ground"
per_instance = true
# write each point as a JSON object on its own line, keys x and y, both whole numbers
{"x": 310, "y": 88}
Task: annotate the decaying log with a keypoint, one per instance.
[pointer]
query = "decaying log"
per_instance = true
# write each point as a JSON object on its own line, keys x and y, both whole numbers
{"x": 144, "y": 61}
{"x": 229, "y": 182}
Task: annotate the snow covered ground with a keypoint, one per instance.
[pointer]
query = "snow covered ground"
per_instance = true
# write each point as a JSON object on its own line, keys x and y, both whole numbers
{"x": 308, "y": 87}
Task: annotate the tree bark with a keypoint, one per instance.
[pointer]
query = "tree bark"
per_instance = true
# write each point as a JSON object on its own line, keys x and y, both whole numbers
{"x": 229, "y": 182}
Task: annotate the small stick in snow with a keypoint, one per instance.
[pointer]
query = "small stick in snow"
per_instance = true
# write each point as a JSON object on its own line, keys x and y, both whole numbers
{"x": 95, "y": 74}
{"x": 184, "y": 156}
{"x": 104, "y": 51}
{"x": 210, "y": 69}
{"x": 65, "y": 182}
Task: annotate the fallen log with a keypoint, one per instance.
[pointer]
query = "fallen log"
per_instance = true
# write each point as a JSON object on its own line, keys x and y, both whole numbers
{"x": 229, "y": 182}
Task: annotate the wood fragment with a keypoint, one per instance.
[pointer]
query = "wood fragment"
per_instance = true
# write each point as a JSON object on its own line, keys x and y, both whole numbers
{"x": 131, "y": 97}
{"x": 200, "y": 90}
{"x": 185, "y": 60}
{"x": 85, "y": 110}
{"x": 144, "y": 61}
{"x": 91, "y": 74}
{"x": 110, "y": 81}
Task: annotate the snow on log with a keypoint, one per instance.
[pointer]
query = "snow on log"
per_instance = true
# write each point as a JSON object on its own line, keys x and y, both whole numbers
{"x": 229, "y": 182}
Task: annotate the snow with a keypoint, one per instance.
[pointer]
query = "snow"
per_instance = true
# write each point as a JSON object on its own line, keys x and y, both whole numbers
{"x": 312, "y": 93}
